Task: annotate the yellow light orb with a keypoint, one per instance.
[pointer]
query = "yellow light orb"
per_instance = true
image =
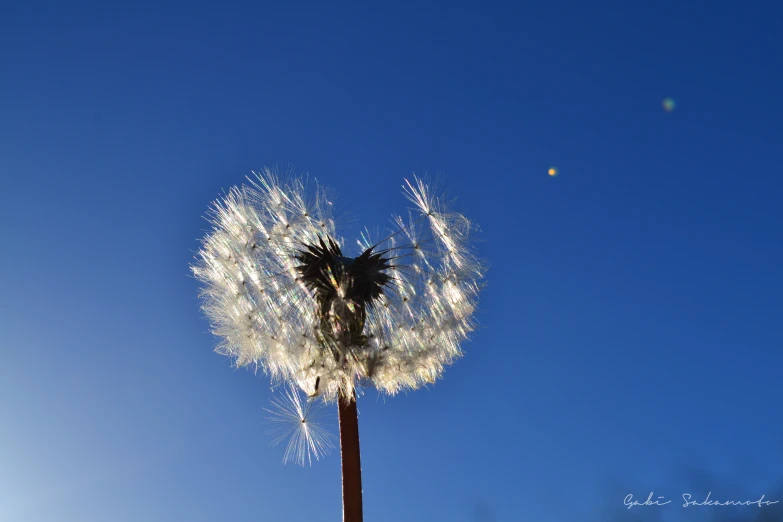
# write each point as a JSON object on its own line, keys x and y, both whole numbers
{"x": 552, "y": 171}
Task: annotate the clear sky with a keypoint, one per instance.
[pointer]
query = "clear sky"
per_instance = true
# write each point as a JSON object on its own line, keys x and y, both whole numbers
{"x": 632, "y": 322}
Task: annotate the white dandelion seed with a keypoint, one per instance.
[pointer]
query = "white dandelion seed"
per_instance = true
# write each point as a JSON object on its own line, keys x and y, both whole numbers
{"x": 299, "y": 420}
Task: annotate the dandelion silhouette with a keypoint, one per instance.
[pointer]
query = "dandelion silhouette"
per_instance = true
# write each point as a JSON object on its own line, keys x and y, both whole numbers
{"x": 282, "y": 296}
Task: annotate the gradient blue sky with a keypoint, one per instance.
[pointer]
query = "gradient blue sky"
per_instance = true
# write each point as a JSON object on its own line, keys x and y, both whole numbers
{"x": 632, "y": 323}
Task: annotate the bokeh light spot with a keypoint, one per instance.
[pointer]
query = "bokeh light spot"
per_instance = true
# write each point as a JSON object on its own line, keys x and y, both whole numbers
{"x": 668, "y": 104}
{"x": 552, "y": 171}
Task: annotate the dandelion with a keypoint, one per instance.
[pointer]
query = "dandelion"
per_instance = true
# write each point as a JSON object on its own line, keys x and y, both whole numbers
{"x": 283, "y": 295}
{"x": 298, "y": 419}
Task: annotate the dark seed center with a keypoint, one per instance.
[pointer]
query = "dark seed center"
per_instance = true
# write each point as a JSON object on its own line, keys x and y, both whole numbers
{"x": 358, "y": 281}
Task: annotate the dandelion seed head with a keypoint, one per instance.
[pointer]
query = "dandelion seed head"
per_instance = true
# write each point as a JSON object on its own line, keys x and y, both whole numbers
{"x": 283, "y": 295}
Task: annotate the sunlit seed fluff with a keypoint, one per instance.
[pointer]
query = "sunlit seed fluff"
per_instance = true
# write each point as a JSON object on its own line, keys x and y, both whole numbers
{"x": 283, "y": 295}
{"x": 300, "y": 421}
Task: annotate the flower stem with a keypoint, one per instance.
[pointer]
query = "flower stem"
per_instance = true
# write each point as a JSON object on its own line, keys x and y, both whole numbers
{"x": 349, "y": 453}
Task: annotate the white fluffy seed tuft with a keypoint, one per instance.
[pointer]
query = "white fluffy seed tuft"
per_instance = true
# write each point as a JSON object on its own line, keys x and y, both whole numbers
{"x": 265, "y": 316}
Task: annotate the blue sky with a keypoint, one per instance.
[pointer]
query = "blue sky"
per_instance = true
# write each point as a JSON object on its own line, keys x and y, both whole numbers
{"x": 632, "y": 322}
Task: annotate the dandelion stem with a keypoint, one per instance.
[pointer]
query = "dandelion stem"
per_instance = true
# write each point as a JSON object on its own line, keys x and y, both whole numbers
{"x": 349, "y": 453}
